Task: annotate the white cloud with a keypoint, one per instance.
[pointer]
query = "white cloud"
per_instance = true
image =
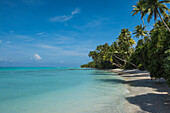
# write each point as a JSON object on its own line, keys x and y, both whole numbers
{"x": 65, "y": 18}
{"x": 42, "y": 33}
{"x": 96, "y": 23}
{"x": 17, "y": 37}
{"x": 77, "y": 10}
{"x": 49, "y": 47}
{"x": 64, "y": 50}
{"x": 37, "y": 57}
{"x": 60, "y": 18}
{"x": 9, "y": 60}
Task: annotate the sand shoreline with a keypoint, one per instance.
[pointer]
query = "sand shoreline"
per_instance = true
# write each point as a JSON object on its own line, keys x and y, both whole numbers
{"x": 145, "y": 95}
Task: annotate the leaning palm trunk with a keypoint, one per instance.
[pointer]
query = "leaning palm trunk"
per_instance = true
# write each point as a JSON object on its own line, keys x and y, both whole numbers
{"x": 145, "y": 27}
{"x": 163, "y": 21}
{"x": 126, "y": 61}
{"x": 117, "y": 62}
{"x": 118, "y": 65}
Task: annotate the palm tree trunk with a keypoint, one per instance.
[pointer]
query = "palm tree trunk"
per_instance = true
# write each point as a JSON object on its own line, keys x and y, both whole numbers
{"x": 115, "y": 64}
{"x": 163, "y": 21}
{"x": 145, "y": 27}
{"x": 126, "y": 61}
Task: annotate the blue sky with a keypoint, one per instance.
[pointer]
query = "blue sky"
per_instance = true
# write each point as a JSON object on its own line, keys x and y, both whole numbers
{"x": 60, "y": 32}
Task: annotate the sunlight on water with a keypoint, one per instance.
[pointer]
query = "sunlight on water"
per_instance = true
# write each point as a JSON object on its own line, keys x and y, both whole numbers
{"x": 60, "y": 90}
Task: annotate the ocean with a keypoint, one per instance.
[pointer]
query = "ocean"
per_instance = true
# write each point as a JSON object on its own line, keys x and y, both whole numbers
{"x": 60, "y": 90}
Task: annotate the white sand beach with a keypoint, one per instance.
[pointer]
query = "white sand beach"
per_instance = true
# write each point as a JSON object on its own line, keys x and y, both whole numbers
{"x": 145, "y": 95}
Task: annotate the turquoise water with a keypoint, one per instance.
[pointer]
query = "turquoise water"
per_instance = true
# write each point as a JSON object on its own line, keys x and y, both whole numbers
{"x": 60, "y": 90}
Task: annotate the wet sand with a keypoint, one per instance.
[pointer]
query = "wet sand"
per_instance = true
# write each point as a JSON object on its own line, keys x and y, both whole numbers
{"x": 145, "y": 95}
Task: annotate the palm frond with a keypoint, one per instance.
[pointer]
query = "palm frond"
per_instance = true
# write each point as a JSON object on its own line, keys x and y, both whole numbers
{"x": 165, "y": 1}
{"x": 163, "y": 12}
{"x": 150, "y": 16}
{"x": 135, "y": 13}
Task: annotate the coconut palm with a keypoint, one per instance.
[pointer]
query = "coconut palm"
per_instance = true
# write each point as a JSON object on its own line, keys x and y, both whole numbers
{"x": 139, "y": 31}
{"x": 125, "y": 37}
{"x": 139, "y": 8}
{"x": 157, "y": 8}
{"x": 125, "y": 42}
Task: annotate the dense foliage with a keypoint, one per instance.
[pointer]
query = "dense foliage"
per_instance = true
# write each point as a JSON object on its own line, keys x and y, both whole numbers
{"x": 152, "y": 51}
{"x": 159, "y": 52}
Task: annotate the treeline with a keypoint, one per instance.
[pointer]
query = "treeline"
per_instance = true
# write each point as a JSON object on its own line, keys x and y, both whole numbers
{"x": 152, "y": 51}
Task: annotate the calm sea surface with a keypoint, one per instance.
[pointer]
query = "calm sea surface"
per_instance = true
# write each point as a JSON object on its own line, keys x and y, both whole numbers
{"x": 60, "y": 90}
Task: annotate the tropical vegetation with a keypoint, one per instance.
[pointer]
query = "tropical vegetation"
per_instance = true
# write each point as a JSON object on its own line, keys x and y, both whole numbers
{"x": 152, "y": 51}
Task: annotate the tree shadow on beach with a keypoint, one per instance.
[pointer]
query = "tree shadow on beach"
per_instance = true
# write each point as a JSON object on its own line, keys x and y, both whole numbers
{"x": 114, "y": 81}
{"x": 153, "y": 103}
{"x": 150, "y": 102}
{"x": 159, "y": 86}
{"x": 137, "y": 76}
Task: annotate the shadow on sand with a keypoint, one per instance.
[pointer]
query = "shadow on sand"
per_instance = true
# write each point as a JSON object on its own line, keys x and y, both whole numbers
{"x": 149, "y": 102}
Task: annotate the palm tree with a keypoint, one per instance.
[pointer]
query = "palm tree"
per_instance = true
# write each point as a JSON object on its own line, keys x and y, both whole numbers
{"x": 139, "y": 8}
{"x": 125, "y": 42}
{"x": 125, "y": 38}
{"x": 93, "y": 54}
{"x": 157, "y": 8}
{"x": 125, "y": 32}
{"x": 139, "y": 32}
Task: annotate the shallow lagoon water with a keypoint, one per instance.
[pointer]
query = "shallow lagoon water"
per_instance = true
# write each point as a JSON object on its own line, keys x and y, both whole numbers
{"x": 60, "y": 90}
